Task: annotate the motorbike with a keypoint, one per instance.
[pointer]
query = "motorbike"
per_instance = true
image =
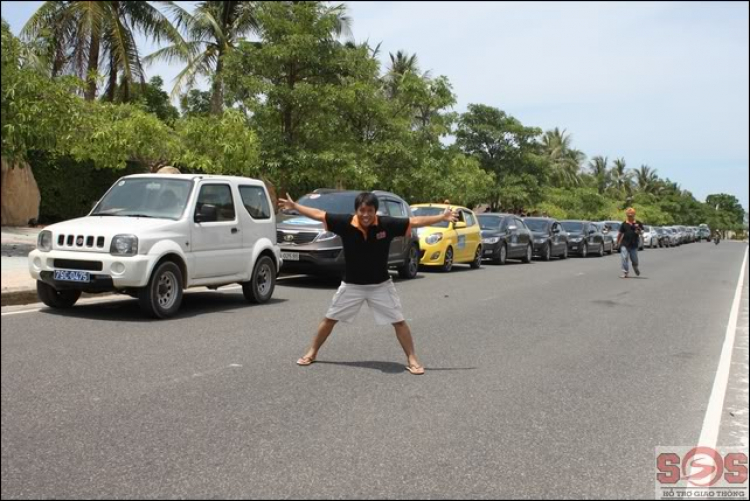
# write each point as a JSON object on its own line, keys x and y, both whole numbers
{"x": 717, "y": 239}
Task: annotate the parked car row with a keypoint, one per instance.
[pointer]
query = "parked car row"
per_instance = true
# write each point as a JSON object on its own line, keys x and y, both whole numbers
{"x": 152, "y": 236}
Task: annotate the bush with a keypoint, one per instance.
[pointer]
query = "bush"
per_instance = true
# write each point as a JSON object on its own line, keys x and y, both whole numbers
{"x": 68, "y": 188}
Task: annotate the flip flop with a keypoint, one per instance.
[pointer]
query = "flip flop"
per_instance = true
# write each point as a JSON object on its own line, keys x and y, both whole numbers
{"x": 304, "y": 361}
{"x": 417, "y": 371}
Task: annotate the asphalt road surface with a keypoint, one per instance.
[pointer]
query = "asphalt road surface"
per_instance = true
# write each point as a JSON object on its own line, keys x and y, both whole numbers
{"x": 546, "y": 380}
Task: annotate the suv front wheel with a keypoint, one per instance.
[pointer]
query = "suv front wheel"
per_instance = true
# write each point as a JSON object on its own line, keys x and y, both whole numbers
{"x": 260, "y": 287}
{"x": 162, "y": 297}
{"x": 55, "y": 298}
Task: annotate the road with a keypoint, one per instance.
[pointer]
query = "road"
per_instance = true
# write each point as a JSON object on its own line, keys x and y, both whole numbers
{"x": 546, "y": 380}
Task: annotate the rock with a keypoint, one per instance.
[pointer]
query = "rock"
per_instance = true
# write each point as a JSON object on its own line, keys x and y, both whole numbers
{"x": 20, "y": 194}
{"x": 168, "y": 170}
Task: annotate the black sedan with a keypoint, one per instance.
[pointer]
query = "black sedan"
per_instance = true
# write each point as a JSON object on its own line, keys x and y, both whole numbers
{"x": 584, "y": 237}
{"x": 505, "y": 236}
{"x": 550, "y": 240}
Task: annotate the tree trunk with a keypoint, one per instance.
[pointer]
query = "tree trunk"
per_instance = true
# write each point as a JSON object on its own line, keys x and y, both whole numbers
{"x": 112, "y": 85}
{"x": 93, "y": 69}
{"x": 217, "y": 96}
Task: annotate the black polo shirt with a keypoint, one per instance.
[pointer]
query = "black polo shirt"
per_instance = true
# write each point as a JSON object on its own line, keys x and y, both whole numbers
{"x": 630, "y": 235}
{"x": 367, "y": 255}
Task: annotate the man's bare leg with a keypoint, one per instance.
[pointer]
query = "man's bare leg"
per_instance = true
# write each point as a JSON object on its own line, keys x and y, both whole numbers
{"x": 403, "y": 333}
{"x": 324, "y": 330}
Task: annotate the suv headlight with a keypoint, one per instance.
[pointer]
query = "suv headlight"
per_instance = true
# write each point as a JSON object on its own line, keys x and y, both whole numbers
{"x": 124, "y": 245}
{"x": 434, "y": 238}
{"x": 44, "y": 241}
{"x": 491, "y": 240}
{"x": 326, "y": 235}
{"x": 576, "y": 239}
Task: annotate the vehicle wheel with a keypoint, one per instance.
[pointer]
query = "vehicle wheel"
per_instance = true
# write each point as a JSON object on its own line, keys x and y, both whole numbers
{"x": 162, "y": 297}
{"x": 601, "y": 250}
{"x": 565, "y": 252}
{"x": 547, "y": 254}
{"x": 411, "y": 266}
{"x": 477, "y": 263}
{"x": 611, "y": 250}
{"x": 260, "y": 287}
{"x": 585, "y": 250}
{"x": 55, "y": 298}
{"x": 448, "y": 260}
{"x": 529, "y": 254}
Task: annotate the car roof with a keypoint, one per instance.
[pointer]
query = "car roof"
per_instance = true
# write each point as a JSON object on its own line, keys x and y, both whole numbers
{"x": 539, "y": 218}
{"x": 334, "y": 191}
{"x": 194, "y": 177}
{"x": 441, "y": 206}
{"x": 499, "y": 214}
{"x": 574, "y": 221}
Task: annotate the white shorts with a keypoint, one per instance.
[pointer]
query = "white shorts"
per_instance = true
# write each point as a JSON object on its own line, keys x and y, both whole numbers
{"x": 382, "y": 299}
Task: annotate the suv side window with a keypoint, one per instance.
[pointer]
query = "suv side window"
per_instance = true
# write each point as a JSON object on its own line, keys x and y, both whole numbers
{"x": 219, "y": 195}
{"x": 395, "y": 209}
{"x": 255, "y": 201}
{"x": 520, "y": 225}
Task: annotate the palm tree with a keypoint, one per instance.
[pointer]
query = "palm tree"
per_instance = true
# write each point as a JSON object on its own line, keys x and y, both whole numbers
{"x": 646, "y": 178}
{"x": 600, "y": 172}
{"x": 402, "y": 64}
{"x": 621, "y": 178}
{"x": 565, "y": 161}
{"x": 80, "y": 34}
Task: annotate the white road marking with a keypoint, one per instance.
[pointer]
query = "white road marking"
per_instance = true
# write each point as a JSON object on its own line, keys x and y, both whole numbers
{"x": 712, "y": 420}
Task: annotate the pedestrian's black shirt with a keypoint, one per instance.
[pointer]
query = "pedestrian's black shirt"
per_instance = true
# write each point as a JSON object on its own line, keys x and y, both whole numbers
{"x": 367, "y": 258}
{"x": 630, "y": 237}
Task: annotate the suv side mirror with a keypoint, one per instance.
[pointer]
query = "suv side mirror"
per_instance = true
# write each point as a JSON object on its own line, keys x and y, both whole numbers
{"x": 512, "y": 227}
{"x": 592, "y": 231}
{"x": 207, "y": 214}
{"x": 458, "y": 225}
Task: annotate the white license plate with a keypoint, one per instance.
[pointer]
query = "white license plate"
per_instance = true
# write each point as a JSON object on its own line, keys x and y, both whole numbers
{"x": 487, "y": 252}
{"x": 73, "y": 276}
{"x": 290, "y": 256}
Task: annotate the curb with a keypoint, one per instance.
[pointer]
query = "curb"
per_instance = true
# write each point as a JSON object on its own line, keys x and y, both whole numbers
{"x": 20, "y": 297}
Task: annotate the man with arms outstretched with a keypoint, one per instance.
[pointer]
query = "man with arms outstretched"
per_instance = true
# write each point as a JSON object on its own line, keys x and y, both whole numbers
{"x": 367, "y": 238}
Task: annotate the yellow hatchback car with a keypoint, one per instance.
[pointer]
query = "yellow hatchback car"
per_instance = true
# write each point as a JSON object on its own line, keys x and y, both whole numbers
{"x": 446, "y": 244}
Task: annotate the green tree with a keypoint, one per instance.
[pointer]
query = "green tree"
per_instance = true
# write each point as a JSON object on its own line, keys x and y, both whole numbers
{"x": 507, "y": 149}
{"x": 620, "y": 177}
{"x": 195, "y": 102}
{"x": 646, "y": 179}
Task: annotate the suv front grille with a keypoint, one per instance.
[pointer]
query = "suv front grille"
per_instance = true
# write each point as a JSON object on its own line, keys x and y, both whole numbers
{"x": 295, "y": 238}
{"x": 80, "y": 241}
{"x": 74, "y": 264}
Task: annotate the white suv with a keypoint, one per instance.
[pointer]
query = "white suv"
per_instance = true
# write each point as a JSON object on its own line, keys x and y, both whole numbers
{"x": 151, "y": 236}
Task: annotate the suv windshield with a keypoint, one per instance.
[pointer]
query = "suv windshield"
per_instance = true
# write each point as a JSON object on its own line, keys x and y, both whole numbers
{"x": 572, "y": 226}
{"x": 540, "y": 225}
{"x": 431, "y": 211}
{"x": 335, "y": 203}
{"x": 146, "y": 197}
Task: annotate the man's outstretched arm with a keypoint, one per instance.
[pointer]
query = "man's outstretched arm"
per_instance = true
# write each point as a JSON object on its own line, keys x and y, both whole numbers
{"x": 289, "y": 204}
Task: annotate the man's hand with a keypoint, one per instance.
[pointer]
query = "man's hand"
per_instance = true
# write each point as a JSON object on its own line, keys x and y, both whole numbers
{"x": 450, "y": 215}
{"x": 286, "y": 203}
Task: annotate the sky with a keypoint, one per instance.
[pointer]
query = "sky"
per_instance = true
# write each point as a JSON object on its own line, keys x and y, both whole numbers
{"x": 665, "y": 84}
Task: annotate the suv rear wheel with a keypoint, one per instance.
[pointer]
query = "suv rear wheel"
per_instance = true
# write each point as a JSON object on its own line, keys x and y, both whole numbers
{"x": 260, "y": 287}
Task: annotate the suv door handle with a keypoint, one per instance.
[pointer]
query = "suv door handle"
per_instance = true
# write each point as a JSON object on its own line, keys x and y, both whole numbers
{"x": 235, "y": 230}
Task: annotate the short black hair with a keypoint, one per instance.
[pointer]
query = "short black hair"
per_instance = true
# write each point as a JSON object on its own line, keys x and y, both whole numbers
{"x": 366, "y": 198}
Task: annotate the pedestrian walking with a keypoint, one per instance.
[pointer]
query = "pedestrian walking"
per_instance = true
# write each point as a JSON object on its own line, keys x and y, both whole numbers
{"x": 628, "y": 240}
{"x": 366, "y": 238}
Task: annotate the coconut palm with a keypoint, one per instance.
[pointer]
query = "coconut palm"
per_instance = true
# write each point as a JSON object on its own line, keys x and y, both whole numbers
{"x": 600, "y": 172}
{"x": 564, "y": 160}
{"x": 646, "y": 179}
{"x": 620, "y": 177}
{"x": 80, "y": 34}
